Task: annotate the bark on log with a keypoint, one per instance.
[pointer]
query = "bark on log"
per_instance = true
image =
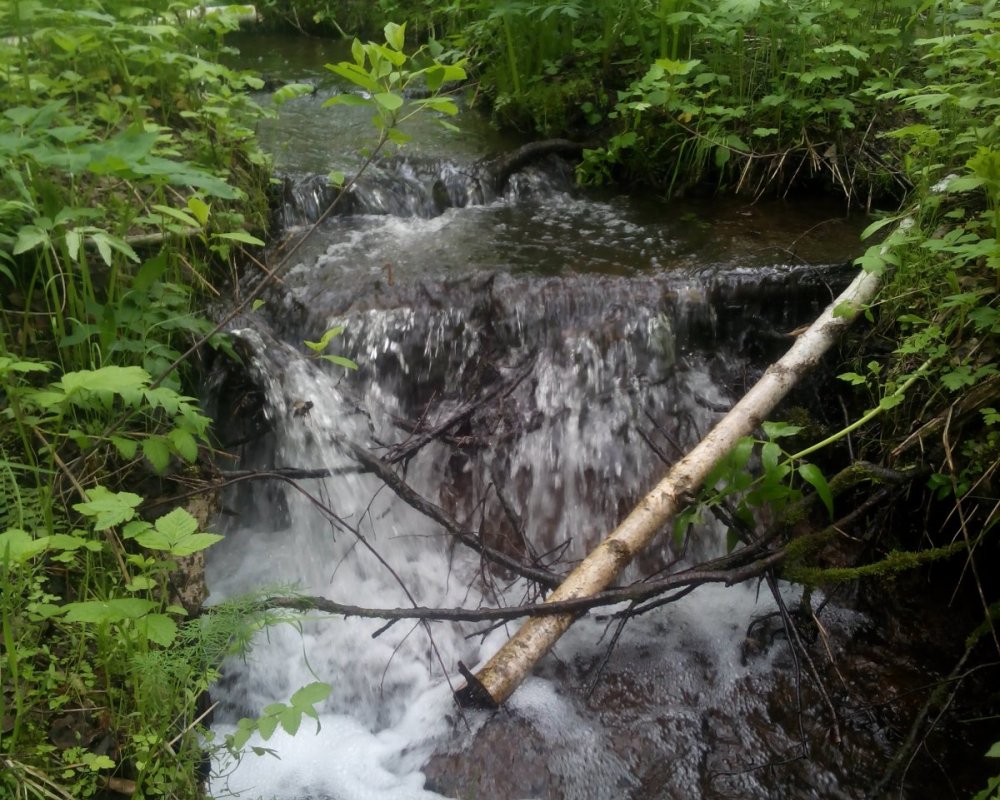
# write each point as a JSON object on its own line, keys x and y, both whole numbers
{"x": 503, "y": 673}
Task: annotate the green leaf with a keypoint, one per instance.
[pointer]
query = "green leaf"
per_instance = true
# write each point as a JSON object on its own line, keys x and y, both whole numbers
{"x": 441, "y": 104}
{"x": 126, "y": 447}
{"x": 890, "y": 401}
{"x": 28, "y": 238}
{"x": 158, "y": 628}
{"x": 104, "y": 381}
{"x": 395, "y": 35}
{"x": 176, "y": 533}
{"x": 104, "y": 611}
{"x": 105, "y": 243}
{"x": 180, "y": 216}
{"x": 812, "y": 475}
{"x": 740, "y": 454}
{"x": 852, "y": 378}
{"x": 178, "y": 523}
{"x": 681, "y": 524}
{"x": 321, "y": 345}
{"x": 845, "y": 310}
{"x": 340, "y": 361}
{"x": 346, "y": 100}
{"x": 73, "y": 244}
{"x": 8, "y": 364}
{"x": 108, "y": 508}
{"x": 156, "y": 450}
{"x": 672, "y": 67}
{"x": 68, "y": 542}
{"x": 199, "y": 208}
{"x": 290, "y": 91}
{"x": 311, "y": 694}
{"x": 266, "y": 726}
{"x": 873, "y": 260}
{"x": 18, "y": 546}
{"x": 356, "y": 75}
{"x": 769, "y": 455}
{"x": 95, "y": 763}
{"x": 388, "y": 100}
{"x": 290, "y": 720}
{"x": 184, "y": 444}
{"x": 239, "y": 739}
{"x": 776, "y": 430}
{"x": 240, "y": 236}
{"x": 150, "y": 272}
{"x": 396, "y": 136}
{"x": 966, "y": 183}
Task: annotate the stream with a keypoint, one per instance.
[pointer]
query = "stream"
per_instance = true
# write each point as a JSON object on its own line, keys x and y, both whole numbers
{"x": 619, "y": 329}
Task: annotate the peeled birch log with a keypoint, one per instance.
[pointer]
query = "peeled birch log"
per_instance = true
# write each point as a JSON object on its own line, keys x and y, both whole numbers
{"x": 503, "y": 673}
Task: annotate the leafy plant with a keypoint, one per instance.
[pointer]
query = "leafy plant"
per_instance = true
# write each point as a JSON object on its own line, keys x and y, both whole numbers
{"x": 384, "y": 74}
{"x": 287, "y": 715}
{"x": 756, "y": 475}
{"x": 324, "y": 342}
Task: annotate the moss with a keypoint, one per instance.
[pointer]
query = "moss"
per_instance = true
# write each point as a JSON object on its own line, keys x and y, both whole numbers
{"x": 895, "y": 562}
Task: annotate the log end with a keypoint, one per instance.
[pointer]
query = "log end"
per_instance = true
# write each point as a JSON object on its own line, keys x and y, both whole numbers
{"x": 474, "y": 694}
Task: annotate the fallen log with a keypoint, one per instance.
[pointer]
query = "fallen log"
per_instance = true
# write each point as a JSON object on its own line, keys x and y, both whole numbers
{"x": 506, "y": 165}
{"x": 505, "y": 671}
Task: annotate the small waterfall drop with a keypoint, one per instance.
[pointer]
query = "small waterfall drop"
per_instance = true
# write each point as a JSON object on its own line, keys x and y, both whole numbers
{"x": 597, "y": 338}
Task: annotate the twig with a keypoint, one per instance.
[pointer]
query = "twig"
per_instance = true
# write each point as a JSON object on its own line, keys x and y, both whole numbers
{"x": 405, "y": 493}
{"x": 414, "y": 443}
{"x": 907, "y": 749}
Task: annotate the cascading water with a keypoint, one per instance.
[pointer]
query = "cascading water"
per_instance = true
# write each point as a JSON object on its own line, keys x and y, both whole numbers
{"x": 618, "y": 335}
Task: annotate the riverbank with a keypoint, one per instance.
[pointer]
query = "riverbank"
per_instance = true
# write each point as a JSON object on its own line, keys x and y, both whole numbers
{"x": 131, "y": 181}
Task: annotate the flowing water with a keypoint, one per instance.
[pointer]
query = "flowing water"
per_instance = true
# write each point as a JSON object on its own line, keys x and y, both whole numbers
{"x": 617, "y": 330}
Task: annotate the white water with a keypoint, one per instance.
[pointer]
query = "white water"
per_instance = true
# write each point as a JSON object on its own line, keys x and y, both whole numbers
{"x": 584, "y": 288}
{"x": 391, "y": 704}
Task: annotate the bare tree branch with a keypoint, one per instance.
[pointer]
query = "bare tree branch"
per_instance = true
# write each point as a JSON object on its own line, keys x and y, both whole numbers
{"x": 469, "y": 538}
{"x": 638, "y": 591}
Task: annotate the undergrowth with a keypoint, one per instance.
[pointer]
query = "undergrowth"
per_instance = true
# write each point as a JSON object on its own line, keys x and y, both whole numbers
{"x": 129, "y": 177}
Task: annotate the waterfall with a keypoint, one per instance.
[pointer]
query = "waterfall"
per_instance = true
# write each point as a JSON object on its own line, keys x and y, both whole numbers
{"x": 609, "y": 338}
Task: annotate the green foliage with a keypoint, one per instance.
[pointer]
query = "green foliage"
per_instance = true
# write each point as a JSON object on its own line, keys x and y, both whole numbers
{"x": 128, "y": 171}
{"x": 945, "y": 261}
{"x": 384, "y": 73}
{"x": 756, "y": 475}
{"x": 992, "y": 790}
{"x": 68, "y": 659}
{"x": 324, "y": 342}
{"x": 115, "y": 132}
{"x": 288, "y": 716}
